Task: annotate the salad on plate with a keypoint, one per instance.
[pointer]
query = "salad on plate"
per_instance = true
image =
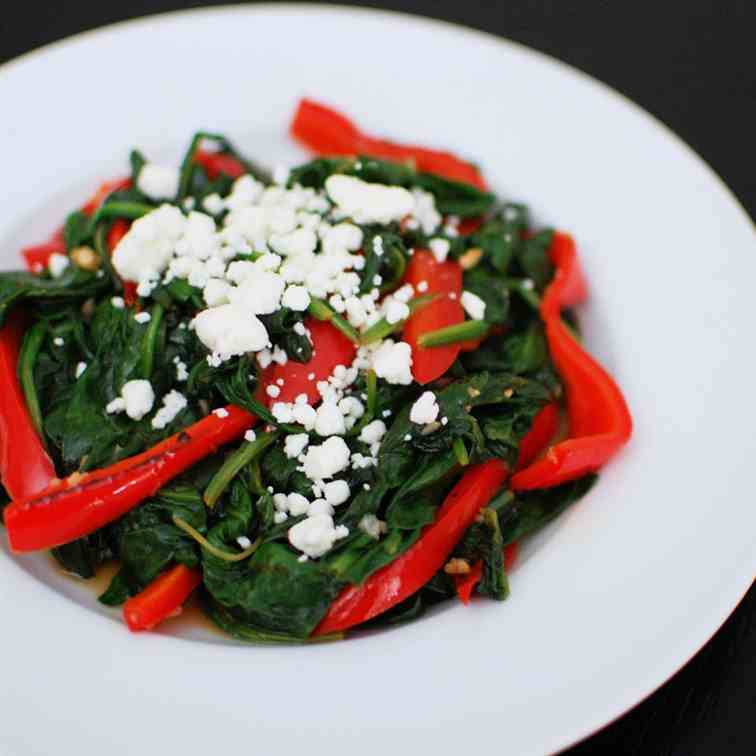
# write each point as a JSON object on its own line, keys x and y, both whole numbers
{"x": 316, "y": 400}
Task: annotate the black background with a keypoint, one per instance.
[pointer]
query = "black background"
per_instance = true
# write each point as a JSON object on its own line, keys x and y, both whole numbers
{"x": 693, "y": 65}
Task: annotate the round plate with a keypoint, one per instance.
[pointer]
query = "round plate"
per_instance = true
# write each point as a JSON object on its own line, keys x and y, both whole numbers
{"x": 608, "y": 602}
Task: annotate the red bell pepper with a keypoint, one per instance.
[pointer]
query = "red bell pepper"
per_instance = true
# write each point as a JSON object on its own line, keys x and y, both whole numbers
{"x": 216, "y": 163}
{"x": 599, "y": 420}
{"x": 79, "y": 505}
{"x": 444, "y": 279}
{"x": 37, "y": 257}
{"x": 162, "y": 598}
{"x": 107, "y": 187}
{"x": 465, "y": 584}
{"x": 541, "y": 432}
{"x": 327, "y": 132}
{"x": 412, "y": 570}
{"x": 25, "y": 466}
{"x": 330, "y": 348}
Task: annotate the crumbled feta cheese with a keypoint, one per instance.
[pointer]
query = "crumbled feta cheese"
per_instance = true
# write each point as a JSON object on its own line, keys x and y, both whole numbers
{"x": 250, "y": 435}
{"x": 444, "y": 421}
{"x": 373, "y": 432}
{"x": 280, "y": 517}
{"x": 371, "y": 525}
{"x": 244, "y": 542}
{"x": 329, "y": 420}
{"x": 281, "y": 502}
{"x": 341, "y": 238}
{"x": 260, "y": 293}
{"x": 80, "y": 368}
{"x": 173, "y": 403}
{"x": 404, "y": 293}
{"x": 474, "y": 306}
{"x": 158, "y": 181}
{"x": 282, "y": 412}
{"x": 304, "y": 415}
{"x": 369, "y": 203}
{"x": 117, "y": 302}
{"x": 117, "y": 405}
{"x": 146, "y": 249}
{"x": 327, "y": 459}
{"x": 221, "y": 413}
{"x": 425, "y": 213}
{"x": 315, "y": 536}
{"x": 182, "y": 373}
{"x": 422, "y": 286}
{"x": 280, "y": 357}
{"x": 138, "y": 398}
{"x": 362, "y": 462}
{"x": 264, "y": 358}
{"x": 355, "y": 310}
{"x": 57, "y": 264}
{"x": 230, "y": 330}
{"x": 319, "y": 507}
{"x": 336, "y": 492}
{"x": 440, "y": 248}
{"x": 396, "y": 311}
{"x": 272, "y": 391}
{"x": 216, "y": 292}
{"x": 425, "y": 409}
{"x": 297, "y": 504}
{"x": 295, "y": 444}
{"x": 142, "y": 317}
{"x": 58, "y": 341}
{"x": 352, "y": 407}
{"x": 392, "y": 361}
{"x": 296, "y": 298}
{"x": 213, "y": 204}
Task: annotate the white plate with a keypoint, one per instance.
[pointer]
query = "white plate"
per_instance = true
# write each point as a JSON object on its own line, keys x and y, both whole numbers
{"x": 612, "y": 599}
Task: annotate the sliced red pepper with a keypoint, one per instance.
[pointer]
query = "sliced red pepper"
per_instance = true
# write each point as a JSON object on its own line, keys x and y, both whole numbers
{"x": 327, "y": 132}
{"x": 413, "y": 569}
{"x": 330, "y": 348}
{"x": 38, "y": 256}
{"x": 162, "y": 598}
{"x": 216, "y": 163}
{"x": 599, "y": 420}
{"x": 542, "y": 431}
{"x": 106, "y": 188}
{"x": 81, "y": 504}
{"x": 428, "y": 276}
{"x": 25, "y": 466}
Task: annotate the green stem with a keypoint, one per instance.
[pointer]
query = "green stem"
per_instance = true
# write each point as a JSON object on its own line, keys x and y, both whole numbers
{"x": 525, "y": 290}
{"x": 119, "y": 209}
{"x": 227, "y": 556}
{"x": 460, "y": 452}
{"x": 234, "y": 464}
{"x": 382, "y": 328}
{"x": 33, "y": 341}
{"x": 470, "y": 329}
{"x": 104, "y": 253}
{"x": 371, "y": 380}
{"x": 321, "y": 311}
{"x": 150, "y": 340}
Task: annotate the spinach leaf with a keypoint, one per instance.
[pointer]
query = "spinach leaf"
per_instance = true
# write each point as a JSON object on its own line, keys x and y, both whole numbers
{"x": 487, "y": 284}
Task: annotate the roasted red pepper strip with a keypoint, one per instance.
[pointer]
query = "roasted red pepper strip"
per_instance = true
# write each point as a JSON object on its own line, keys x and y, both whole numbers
{"x": 106, "y": 188}
{"x": 465, "y": 584}
{"x": 541, "y": 432}
{"x": 413, "y": 569}
{"x": 25, "y": 466}
{"x": 216, "y": 163}
{"x": 599, "y": 419}
{"x": 81, "y": 504}
{"x": 162, "y": 598}
{"x": 330, "y": 348}
{"x": 328, "y": 132}
{"x": 428, "y": 276}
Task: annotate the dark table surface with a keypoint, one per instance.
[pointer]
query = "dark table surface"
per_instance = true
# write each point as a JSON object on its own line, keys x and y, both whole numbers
{"x": 691, "y": 64}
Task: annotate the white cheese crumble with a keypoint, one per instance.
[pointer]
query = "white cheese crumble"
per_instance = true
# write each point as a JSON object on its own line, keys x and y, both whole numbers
{"x": 329, "y": 420}
{"x": 316, "y": 535}
{"x": 58, "y": 341}
{"x": 80, "y": 368}
{"x": 250, "y": 435}
{"x": 392, "y": 361}
{"x": 230, "y": 330}
{"x": 474, "y": 306}
{"x": 136, "y": 399}
{"x": 295, "y": 444}
{"x": 142, "y": 317}
{"x": 369, "y": 203}
{"x": 327, "y": 459}
{"x": 440, "y": 248}
{"x": 117, "y": 302}
{"x": 425, "y": 409}
{"x": 296, "y": 298}
{"x": 221, "y": 413}
{"x": 158, "y": 181}
{"x": 373, "y": 432}
{"x": 57, "y": 264}
{"x": 173, "y": 403}
{"x": 336, "y": 492}
{"x": 396, "y": 311}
